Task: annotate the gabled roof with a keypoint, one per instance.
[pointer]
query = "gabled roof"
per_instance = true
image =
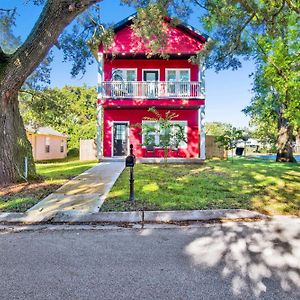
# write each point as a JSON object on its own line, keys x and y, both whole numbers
{"x": 44, "y": 131}
{"x": 183, "y": 26}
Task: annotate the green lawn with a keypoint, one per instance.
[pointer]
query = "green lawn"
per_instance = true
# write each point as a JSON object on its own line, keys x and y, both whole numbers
{"x": 269, "y": 187}
{"x": 20, "y": 197}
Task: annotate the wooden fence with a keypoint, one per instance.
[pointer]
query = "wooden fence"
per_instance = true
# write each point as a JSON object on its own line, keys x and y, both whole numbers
{"x": 212, "y": 148}
{"x": 88, "y": 150}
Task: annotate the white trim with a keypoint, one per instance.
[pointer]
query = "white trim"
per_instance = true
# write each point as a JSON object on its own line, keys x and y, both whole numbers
{"x": 177, "y": 69}
{"x": 156, "y": 137}
{"x": 127, "y": 69}
{"x": 202, "y": 131}
{"x": 99, "y": 137}
{"x": 112, "y": 137}
{"x": 150, "y": 71}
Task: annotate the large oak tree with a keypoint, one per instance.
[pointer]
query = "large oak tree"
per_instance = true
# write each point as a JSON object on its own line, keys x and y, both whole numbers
{"x": 234, "y": 25}
{"x": 15, "y": 68}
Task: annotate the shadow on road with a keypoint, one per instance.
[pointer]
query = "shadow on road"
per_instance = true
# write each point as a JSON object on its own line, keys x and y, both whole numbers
{"x": 249, "y": 256}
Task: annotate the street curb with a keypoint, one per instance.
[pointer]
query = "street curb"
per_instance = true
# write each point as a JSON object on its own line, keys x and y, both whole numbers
{"x": 24, "y": 218}
{"x": 78, "y": 217}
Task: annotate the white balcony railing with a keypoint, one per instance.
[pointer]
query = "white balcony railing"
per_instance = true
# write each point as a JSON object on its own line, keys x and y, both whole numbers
{"x": 152, "y": 90}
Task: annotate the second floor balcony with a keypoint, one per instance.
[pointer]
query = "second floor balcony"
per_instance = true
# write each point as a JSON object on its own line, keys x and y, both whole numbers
{"x": 151, "y": 90}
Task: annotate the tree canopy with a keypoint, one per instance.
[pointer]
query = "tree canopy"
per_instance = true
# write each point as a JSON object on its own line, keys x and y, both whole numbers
{"x": 266, "y": 31}
{"x": 70, "y": 110}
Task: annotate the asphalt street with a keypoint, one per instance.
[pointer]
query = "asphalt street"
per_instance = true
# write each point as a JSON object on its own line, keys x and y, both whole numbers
{"x": 213, "y": 261}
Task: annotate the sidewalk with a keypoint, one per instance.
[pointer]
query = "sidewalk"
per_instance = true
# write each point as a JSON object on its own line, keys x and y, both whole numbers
{"x": 84, "y": 194}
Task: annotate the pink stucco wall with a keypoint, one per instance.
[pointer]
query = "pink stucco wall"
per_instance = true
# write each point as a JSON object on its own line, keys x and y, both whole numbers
{"x": 38, "y": 143}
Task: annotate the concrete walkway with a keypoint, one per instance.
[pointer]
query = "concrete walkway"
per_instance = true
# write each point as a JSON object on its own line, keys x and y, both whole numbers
{"x": 85, "y": 193}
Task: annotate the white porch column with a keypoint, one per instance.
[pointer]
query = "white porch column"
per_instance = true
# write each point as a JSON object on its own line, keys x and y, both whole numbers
{"x": 202, "y": 131}
{"x": 201, "y": 111}
{"x": 99, "y": 138}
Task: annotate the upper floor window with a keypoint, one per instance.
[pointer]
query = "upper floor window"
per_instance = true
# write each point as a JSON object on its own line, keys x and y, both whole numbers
{"x": 122, "y": 82}
{"x": 178, "y": 75}
{"x": 178, "y": 82}
{"x": 124, "y": 75}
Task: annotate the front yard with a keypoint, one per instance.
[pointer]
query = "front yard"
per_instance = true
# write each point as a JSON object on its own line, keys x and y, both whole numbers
{"x": 268, "y": 187}
{"x": 20, "y": 197}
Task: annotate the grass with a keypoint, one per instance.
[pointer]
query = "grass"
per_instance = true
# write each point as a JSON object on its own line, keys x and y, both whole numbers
{"x": 20, "y": 197}
{"x": 268, "y": 187}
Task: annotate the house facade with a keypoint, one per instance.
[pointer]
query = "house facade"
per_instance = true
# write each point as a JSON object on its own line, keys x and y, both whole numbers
{"x": 47, "y": 143}
{"x": 129, "y": 84}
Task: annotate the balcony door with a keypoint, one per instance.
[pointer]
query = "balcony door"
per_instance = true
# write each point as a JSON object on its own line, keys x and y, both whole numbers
{"x": 178, "y": 82}
{"x": 120, "y": 139}
{"x": 150, "y": 78}
{"x": 123, "y": 82}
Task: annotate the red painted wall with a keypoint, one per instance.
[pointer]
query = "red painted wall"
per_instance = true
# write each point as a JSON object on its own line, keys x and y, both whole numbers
{"x": 125, "y": 41}
{"x": 135, "y": 116}
{"x": 142, "y": 103}
{"x": 140, "y": 64}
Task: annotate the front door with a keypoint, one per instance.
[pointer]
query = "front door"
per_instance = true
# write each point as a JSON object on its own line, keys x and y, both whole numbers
{"x": 151, "y": 87}
{"x": 120, "y": 139}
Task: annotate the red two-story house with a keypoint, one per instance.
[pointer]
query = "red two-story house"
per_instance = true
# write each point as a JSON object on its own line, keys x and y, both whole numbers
{"x": 129, "y": 84}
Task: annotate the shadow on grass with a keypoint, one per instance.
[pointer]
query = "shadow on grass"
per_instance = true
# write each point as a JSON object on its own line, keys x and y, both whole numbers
{"x": 20, "y": 197}
{"x": 265, "y": 186}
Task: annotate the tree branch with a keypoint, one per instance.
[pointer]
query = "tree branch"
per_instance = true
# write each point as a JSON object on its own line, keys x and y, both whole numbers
{"x": 8, "y": 9}
{"x": 292, "y": 6}
{"x": 280, "y": 9}
{"x": 280, "y": 72}
{"x": 238, "y": 37}
{"x": 197, "y": 2}
{"x": 54, "y": 18}
{"x": 3, "y": 56}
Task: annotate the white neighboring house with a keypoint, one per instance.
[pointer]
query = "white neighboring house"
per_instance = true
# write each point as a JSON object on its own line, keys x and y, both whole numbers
{"x": 250, "y": 142}
{"x": 47, "y": 143}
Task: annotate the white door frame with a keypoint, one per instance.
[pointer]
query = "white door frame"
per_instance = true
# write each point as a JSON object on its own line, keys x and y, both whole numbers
{"x": 143, "y": 70}
{"x": 112, "y": 137}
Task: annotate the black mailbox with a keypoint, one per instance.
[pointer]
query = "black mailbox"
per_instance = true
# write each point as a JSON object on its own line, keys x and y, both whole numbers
{"x": 130, "y": 161}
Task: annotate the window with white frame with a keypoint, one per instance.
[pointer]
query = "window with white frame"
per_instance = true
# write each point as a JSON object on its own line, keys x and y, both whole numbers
{"x": 124, "y": 74}
{"x": 122, "y": 81}
{"x": 178, "y": 81}
{"x": 47, "y": 144}
{"x": 152, "y": 134}
{"x": 179, "y": 128}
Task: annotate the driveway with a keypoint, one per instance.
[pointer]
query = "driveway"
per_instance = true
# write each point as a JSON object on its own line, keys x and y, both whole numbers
{"x": 220, "y": 261}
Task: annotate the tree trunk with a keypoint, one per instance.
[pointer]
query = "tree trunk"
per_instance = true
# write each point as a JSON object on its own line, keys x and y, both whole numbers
{"x": 14, "y": 143}
{"x": 14, "y": 70}
{"x": 284, "y": 141}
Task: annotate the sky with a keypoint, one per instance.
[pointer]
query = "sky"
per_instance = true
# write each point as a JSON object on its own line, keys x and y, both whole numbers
{"x": 227, "y": 92}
